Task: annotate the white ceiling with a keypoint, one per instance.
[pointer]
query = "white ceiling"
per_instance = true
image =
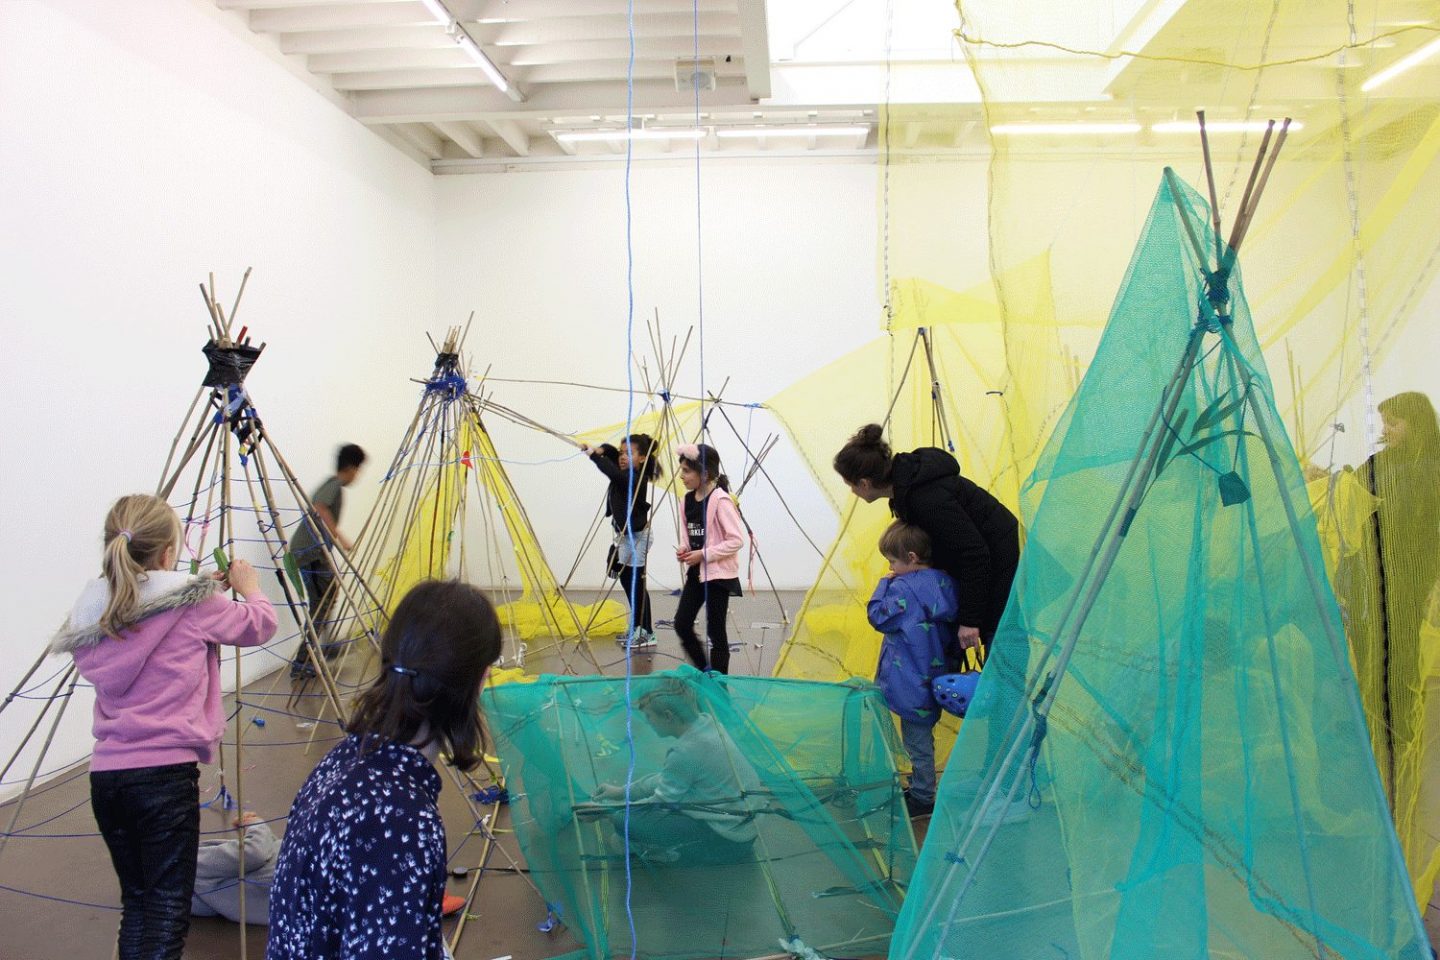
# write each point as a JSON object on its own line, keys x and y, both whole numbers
{"x": 812, "y": 73}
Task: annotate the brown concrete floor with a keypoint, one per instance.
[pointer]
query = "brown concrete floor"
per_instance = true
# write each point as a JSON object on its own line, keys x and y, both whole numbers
{"x": 63, "y": 857}
{"x": 59, "y": 854}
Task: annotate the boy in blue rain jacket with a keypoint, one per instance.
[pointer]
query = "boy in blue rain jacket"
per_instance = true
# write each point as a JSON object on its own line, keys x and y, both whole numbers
{"x": 915, "y": 607}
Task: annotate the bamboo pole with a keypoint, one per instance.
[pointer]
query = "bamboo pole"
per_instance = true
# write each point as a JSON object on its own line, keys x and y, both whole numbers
{"x": 24, "y": 795}
{"x": 235, "y": 307}
{"x": 1210, "y": 183}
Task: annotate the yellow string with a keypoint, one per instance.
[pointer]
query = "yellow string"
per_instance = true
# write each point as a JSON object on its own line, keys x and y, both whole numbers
{"x": 964, "y": 37}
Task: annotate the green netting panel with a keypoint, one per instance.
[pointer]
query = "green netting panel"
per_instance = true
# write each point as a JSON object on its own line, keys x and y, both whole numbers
{"x": 1204, "y": 784}
{"x": 802, "y": 830}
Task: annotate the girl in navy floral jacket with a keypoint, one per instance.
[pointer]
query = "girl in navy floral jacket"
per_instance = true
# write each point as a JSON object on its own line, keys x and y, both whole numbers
{"x": 361, "y": 872}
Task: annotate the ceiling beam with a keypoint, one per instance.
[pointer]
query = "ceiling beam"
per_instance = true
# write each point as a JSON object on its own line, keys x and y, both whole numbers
{"x": 511, "y": 133}
{"x": 571, "y": 29}
{"x": 475, "y": 103}
{"x": 275, "y": 4}
{"x": 468, "y": 75}
{"x": 1147, "y": 23}
{"x": 364, "y": 38}
{"x": 422, "y": 138}
{"x": 646, "y": 48}
{"x": 594, "y": 71}
{"x": 463, "y": 136}
{"x": 357, "y": 61}
{"x": 341, "y": 17}
{"x": 505, "y": 10}
{"x": 755, "y": 46}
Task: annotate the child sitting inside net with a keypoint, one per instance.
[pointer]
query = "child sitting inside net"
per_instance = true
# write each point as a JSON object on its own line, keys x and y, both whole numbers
{"x": 700, "y": 806}
{"x": 217, "y": 873}
{"x": 914, "y": 605}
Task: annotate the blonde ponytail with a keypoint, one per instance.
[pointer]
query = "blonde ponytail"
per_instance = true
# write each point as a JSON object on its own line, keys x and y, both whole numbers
{"x": 138, "y": 531}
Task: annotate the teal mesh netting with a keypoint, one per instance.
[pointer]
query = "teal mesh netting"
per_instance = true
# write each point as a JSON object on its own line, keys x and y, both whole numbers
{"x": 1203, "y": 784}
{"x": 762, "y": 810}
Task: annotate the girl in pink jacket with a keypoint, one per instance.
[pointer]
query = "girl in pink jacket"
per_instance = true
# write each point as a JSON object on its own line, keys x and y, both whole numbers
{"x": 146, "y": 636}
{"x": 714, "y": 534}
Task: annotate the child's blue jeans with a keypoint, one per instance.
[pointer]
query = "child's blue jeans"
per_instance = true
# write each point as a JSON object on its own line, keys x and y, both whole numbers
{"x": 919, "y": 741}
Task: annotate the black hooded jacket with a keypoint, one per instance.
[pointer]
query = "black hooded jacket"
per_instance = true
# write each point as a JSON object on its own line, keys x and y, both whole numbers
{"x": 973, "y": 537}
{"x": 607, "y": 459}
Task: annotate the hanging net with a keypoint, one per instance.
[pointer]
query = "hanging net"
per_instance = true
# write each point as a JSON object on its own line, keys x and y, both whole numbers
{"x": 1340, "y": 258}
{"x": 447, "y": 508}
{"x": 763, "y": 811}
{"x": 1166, "y": 756}
{"x": 966, "y": 403}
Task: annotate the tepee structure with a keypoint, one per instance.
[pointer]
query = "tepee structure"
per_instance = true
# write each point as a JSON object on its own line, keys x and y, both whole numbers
{"x": 236, "y": 497}
{"x": 1141, "y": 773}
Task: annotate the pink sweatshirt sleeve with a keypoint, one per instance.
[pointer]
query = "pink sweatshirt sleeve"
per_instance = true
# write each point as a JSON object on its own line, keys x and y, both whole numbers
{"x": 729, "y": 528}
{"x": 235, "y": 623}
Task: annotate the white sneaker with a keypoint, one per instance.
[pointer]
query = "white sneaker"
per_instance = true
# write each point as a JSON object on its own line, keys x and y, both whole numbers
{"x": 640, "y": 640}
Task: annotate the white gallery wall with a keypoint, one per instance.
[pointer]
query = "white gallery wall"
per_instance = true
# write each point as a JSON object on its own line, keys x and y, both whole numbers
{"x": 789, "y": 283}
{"x": 143, "y": 145}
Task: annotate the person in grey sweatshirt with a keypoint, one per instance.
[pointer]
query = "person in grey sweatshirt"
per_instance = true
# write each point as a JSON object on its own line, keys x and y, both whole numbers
{"x": 217, "y": 874}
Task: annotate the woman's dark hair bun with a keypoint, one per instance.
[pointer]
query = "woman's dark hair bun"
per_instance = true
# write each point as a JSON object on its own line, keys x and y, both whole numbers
{"x": 871, "y": 435}
{"x": 866, "y": 456}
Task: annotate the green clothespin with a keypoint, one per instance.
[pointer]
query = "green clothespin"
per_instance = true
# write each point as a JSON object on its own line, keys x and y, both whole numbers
{"x": 293, "y": 569}
{"x": 221, "y": 561}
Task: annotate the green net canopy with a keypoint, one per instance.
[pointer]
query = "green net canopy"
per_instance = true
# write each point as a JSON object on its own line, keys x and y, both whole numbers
{"x": 1166, "y": 756}
{"x": 761, "y": 810}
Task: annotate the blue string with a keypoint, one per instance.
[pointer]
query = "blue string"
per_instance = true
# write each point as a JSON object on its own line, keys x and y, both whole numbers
{"x": 46, "y": 896}
{"x": 452, "y": 386}
{"x": 700, "y": 319}
{"x": 48, "y": 786}
{"x": 630, "y": 473}
{"x": 21, "y": 831}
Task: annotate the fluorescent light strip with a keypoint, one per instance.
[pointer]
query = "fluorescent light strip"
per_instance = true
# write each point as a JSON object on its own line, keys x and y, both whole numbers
{"x": 487, "y": 66}
{"x": 639, "y": 133}
{"x": 1219, "y": 126}
{"x": 441, "y": 13}
{"x": 729, "y": 133}
{"x": 1401, "y": 65}
{"x": 1063, "y": 129}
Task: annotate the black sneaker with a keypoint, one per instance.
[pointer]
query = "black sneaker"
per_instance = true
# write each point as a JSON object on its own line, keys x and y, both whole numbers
{"x": 918, "y": 808}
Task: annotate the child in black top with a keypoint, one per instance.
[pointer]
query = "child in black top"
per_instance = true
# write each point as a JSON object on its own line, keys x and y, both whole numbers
{"x": 630, "y": 470}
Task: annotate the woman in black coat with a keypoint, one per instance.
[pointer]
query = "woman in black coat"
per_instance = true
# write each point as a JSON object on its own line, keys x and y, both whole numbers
{"x": 973, "y": 537}
{"x": 976, "y": 540}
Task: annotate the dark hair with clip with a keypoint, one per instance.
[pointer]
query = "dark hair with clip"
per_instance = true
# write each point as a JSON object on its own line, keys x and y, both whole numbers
{"x": 706, "y": 462}
{"x": 441, "y": 639}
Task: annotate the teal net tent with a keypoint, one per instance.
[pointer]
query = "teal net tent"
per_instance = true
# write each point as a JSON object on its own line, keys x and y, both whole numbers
{"x": 1166, "y": 757}
{"x": 792, "y": 825}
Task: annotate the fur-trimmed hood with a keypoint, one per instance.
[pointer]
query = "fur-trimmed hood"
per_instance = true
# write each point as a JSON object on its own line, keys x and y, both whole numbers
{"x": 160, "y": 592}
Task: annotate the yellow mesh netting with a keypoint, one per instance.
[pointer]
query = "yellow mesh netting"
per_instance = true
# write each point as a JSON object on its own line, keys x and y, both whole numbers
{"x": 995, "y": 421}
{"x": 1337, "y": 261}
{"x": 465, "y": 478}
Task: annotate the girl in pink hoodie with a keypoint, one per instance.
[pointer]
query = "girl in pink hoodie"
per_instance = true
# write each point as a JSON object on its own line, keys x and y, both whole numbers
{"x": 714, "y": 534}
{"x": 146, "y": 637}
